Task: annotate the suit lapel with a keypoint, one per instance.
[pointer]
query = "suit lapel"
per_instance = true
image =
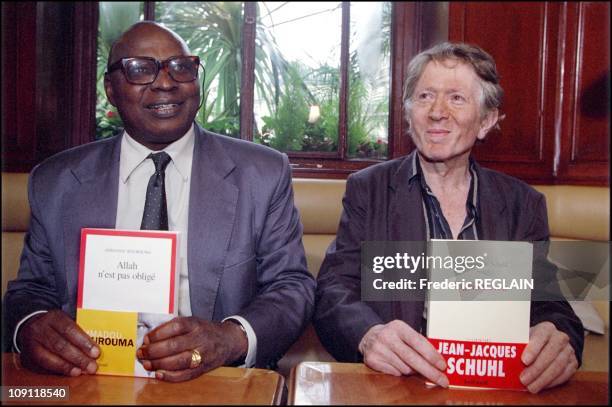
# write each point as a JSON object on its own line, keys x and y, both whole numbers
{"x": 406, "y": 223}
{"x": 405, "y": 220}
{"x": 90, "y": 202}
{"x": 212, "y": 208}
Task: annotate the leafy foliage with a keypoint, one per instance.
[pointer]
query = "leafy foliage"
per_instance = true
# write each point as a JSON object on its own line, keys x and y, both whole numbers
{"x": 288, "y": 128}
{"x": 115, "y": 17}
{"x": 212, "y": 30}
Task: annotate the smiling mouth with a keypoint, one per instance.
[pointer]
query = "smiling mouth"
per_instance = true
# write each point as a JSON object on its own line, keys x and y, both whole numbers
{"x": 164, "y": 109}
{"x": 437, "y": 136}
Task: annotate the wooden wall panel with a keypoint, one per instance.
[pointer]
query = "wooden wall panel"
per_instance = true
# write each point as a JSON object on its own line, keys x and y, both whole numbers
{"x": 405, "y": 45}
{"x": 585, "y": 128}
{"x": 519, "y": 37}
{"x": 18, "y": 85}
{"x": 554, "y": 63}
{"x": 48, "y": 79}
{"x": 55, "y": 79}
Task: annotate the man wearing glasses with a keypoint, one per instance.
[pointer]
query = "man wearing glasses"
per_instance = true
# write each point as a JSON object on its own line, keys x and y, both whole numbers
{"x": 245, "y": 293}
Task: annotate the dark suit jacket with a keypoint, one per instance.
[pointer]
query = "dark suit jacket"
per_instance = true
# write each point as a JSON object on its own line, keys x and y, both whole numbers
{"x": 381, "y": 203}
{"x": 245, "y": 251}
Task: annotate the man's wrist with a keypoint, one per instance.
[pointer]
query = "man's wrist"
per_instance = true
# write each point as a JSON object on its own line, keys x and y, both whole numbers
{"x": 240, "y": 344}
{"x": 365, "y": 338}
{"x": 22, "y": 324}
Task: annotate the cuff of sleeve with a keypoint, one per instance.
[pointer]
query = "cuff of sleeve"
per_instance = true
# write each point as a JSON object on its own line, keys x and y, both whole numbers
{"x": 251, "y": 355}
{"x": 19, "y": 326}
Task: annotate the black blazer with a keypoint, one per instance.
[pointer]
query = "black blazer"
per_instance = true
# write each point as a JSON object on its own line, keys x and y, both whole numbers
{"x": 383, "y": 203}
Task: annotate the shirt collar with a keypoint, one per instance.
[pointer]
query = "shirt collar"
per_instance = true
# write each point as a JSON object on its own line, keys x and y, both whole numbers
{"x": 473, "y": 202}
{"x": 415, "y": 167}
{"x": 133, "y": 154}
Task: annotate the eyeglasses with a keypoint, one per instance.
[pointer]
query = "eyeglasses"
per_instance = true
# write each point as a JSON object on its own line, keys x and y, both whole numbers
{"x": 144, "y": 70}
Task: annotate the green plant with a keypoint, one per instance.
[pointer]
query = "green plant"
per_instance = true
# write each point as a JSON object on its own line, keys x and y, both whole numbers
{"x": 367, "y": 107}
{"x": 115, "y": 17}
{"x": 286, "y": 128}
{"x": 326, "y": 81}
{"x": 213, "y": 30}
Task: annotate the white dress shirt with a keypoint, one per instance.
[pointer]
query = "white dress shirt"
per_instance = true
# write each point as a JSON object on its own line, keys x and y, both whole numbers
{"x": 135, "y": 169}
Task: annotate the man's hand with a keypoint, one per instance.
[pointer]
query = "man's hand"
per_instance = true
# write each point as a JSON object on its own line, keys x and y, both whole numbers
{"x": 54, "y": 342}
{"x": 395, "y": 348}
{"x": 167, "y": 349}
{"x": 549, "y": 357}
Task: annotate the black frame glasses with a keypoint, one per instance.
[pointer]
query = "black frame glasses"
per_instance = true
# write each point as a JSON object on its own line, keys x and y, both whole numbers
{"x": 166, "y": 65}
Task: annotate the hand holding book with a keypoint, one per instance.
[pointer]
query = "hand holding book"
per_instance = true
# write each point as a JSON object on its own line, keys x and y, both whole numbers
{"x": 54, "y": 342}
{"x": 167, "y": 349}
{"x": 549, "y": 357}
{"x": 396, "y": 348}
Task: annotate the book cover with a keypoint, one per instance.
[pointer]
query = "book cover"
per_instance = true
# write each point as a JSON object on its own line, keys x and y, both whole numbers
{"x": 478, "y": 310}
{"x": 128, "y": 270}
{"x": 128, "y": 284}
{"x": 119, "y": 334}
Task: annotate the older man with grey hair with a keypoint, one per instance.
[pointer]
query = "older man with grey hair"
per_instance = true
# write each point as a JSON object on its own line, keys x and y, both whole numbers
{"x": 452, "y": 99}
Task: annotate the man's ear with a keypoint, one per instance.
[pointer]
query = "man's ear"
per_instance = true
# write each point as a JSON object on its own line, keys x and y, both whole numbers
{"x": 408, "y": 122}
{"x": 108, "y": 88}
{"x": 487, "y": 123}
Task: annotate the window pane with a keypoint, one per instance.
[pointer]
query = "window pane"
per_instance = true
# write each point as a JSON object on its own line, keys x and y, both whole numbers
{"x": 297, "y": 62}
{"x": 212, "y": 31}
{"x": 369, "y": 73}
{"x": 115, "y": 17}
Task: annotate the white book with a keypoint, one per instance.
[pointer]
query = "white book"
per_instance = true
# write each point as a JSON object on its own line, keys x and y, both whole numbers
{"x": 128, "y": 285}
{"x": 478, "y": 309}
{"x": 129, "y": 270}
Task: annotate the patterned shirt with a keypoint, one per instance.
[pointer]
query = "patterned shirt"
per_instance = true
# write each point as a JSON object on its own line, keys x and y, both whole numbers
{"x": 436, "y": 224}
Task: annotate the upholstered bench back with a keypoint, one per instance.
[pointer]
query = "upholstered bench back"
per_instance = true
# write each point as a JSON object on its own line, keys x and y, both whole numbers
{"x": 574, "y": 212}
{"x": 15, "y": 221}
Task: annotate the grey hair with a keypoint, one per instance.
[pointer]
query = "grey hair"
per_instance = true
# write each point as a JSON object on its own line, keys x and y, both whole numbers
{"x": 483, "y": 64}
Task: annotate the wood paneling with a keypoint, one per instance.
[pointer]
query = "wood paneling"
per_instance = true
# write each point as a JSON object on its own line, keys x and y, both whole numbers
{"x": 524, "y": 145}
{"x": 48, "y": 79}
{"x": 54, "y": 82}
{"x": 65, "y": 92}
{"x": 553, "y": 60}
{"x": 405, "y": 45}
{"x": 84, "y": 71}
{"x": 247, "y": 88}
{"x": 585, "y": 129}
{"x": 18, "y": 85}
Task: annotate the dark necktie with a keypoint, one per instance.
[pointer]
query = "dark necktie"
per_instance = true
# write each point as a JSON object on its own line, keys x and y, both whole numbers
{"x": 155, "y": 216}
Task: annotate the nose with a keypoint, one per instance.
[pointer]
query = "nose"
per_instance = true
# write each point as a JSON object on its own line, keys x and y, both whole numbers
{"x": 164, "y": 81}
{"x": 438, "y": 109}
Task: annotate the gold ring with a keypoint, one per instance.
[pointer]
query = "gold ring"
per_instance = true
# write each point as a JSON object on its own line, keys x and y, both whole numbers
{"x": 196, "y": 359}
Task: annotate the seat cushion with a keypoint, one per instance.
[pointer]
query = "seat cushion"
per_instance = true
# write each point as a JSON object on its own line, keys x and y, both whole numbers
{"x": 12, "y": 244}
{"x": 15, "y": 207}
